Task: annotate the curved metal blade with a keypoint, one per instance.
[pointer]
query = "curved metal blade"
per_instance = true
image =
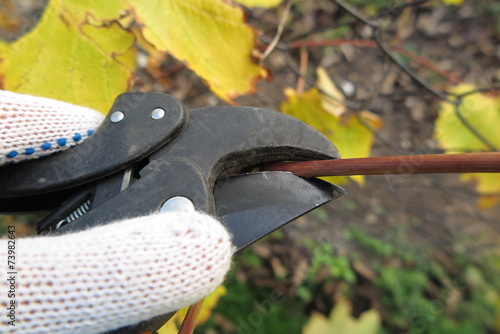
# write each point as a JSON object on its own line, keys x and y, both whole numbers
{"x": 253, "y": 205}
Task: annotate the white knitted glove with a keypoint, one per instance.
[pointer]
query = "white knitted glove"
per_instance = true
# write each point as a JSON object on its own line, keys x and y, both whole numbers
{"x": 110, "y": 276}
{"x": 31, "y": 127}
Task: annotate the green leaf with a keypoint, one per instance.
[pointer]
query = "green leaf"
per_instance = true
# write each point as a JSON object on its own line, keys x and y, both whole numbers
{"x": 341, "y": 321}
{"x": 65, "y": 57}
{"x": 482, "y": 112}
{"x": 304, "y": 293}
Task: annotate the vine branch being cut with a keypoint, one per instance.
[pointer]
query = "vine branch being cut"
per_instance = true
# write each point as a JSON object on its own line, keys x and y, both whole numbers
{"x": 488, "y": 162}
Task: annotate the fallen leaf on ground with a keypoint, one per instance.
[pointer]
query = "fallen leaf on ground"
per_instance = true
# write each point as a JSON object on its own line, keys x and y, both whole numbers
{"x": 341, "y": 321}
{"x": 209, "y": 303}
{"x": 482, "y": 112}
{"x": 346, "y": 131}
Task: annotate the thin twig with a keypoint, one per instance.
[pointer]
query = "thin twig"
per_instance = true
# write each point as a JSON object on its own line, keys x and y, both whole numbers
{"x": 277, "y": 37}
{"x": 354, "y": 12}
{"x": 310, "y": 81}
{"x": 465, "y": 122}
{"x": 370, "y": 43}
{"x": 397, "y": 9}
{"x": 480, "y": 90}
{"x": 455, "y": 79}
{"x": 377, "y": 35}
{"x": 320, "y": 30}
{"x": 301, "y": 84}
{"x": 470, "y": 127}
{"x": 362, "y": 43}
{"x": 377, "y": 135}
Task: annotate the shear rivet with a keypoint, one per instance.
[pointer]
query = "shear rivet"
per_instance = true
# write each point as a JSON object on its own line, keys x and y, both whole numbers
{"x": 157, "y": 113}
{"x": 178, "y": 203}
{"x": 117, "y": 116}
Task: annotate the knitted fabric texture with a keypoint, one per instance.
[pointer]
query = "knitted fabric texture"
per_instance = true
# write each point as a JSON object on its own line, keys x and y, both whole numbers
{"x": 31, "y": 127}
{"x": 116, "y": 275}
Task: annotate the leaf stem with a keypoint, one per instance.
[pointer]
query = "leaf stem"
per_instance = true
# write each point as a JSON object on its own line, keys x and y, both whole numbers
{"x": 488, "y": 162}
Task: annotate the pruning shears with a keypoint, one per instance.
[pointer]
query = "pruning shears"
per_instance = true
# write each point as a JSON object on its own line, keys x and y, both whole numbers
{"x": 151, "y": 154}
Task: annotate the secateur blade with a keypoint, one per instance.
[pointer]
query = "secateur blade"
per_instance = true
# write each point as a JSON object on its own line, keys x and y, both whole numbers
{"x": 253, "y": 205}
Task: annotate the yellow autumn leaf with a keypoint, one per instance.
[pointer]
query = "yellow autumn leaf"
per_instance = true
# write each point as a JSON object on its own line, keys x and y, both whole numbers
{"x": 482, "y": 112}
{"x": 4, "y": 46}
{"x": 453, "y": 2}
{"x": 210, "y": 36}
{"x": 331, "y": 97}
{"x": 209, "y": 303}
{"x": 341, "y": 321}
{"x": 488, "y": 201}
{"x": 259, "y": 3}
{"x": 96, "y": 11}
{"x": 169, "y": 328}
{"x": 66, "y": 58}
{"x": 349, "y": 135}
{"x": 82, "y": 51}
{"x": 488, "y": 185}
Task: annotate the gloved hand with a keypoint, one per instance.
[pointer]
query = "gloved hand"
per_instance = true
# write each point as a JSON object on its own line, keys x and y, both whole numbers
{"x": 110, "y": 276}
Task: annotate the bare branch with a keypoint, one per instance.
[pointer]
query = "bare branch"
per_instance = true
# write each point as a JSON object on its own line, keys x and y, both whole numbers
{"x": 277, "y": 37}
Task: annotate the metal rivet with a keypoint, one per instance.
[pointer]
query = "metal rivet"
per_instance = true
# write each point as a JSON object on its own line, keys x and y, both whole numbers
{"x": 178, "y": 203}
{"x": 157, "y": 113}
{"x": 117, "y": 116}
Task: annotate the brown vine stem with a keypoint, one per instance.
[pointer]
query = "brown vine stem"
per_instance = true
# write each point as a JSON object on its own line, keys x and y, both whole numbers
{"x": 301, "y": 82}
{"x": 452, "y": 77}
{"x": 488, "y": 162}
{"x": 368, "y": 43}
{"x": 362, "y": 43}
{"x": 189, "y": 322}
